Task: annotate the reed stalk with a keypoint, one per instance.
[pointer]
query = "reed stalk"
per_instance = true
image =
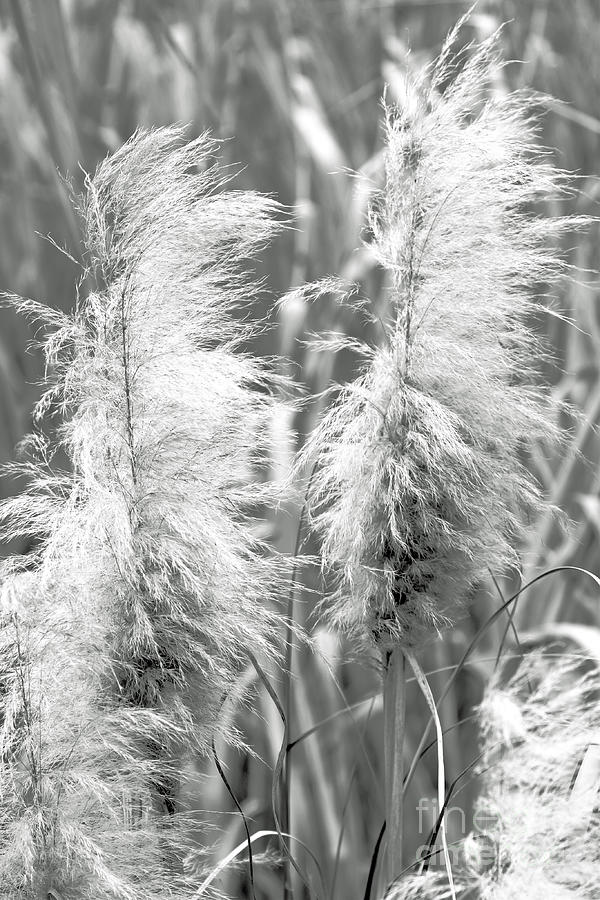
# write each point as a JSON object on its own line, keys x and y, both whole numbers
{"x": 394, "y": 724}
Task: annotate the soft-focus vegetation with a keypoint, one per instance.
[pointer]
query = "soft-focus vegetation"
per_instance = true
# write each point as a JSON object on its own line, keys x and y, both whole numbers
{"x": 293, "y": 89}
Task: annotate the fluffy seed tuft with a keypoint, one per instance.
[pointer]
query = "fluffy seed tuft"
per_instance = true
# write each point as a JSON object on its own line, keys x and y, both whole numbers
{"x": 123, "y": 631}
{"x": 418, "y": 486}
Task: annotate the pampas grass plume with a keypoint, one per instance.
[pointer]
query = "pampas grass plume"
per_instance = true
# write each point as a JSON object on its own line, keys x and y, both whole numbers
{"x": 418, "y": 486}
{"x": 547, "y": 844}
{"x": 125, "y": 628}
{"x": 533, "y": 836}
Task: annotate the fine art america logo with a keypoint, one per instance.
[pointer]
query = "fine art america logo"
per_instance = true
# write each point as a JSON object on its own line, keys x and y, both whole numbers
{"x": 479, "y": 849}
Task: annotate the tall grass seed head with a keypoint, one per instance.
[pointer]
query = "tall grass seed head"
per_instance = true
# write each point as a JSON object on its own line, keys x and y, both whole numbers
{"x": 419, "y": 486}
{"x": 149, "y": 582}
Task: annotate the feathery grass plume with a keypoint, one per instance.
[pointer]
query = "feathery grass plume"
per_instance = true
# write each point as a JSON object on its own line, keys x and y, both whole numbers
{"x": 78, "y": 813}
{"x": 539, "y": 834}
{"x": 429, "y": 886}
{"x": 418, "y": 487}
{"x": 147, "y": 574}
{"x": 537, "y": 823}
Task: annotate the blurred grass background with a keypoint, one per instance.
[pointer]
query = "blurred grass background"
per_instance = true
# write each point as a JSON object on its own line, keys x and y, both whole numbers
{"x": 293, "y": 87}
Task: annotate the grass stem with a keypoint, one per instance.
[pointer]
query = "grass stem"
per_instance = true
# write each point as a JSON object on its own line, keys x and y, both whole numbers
{"x": 394, "y": 714}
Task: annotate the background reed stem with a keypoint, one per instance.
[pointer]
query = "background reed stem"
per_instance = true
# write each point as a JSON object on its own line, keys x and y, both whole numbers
{"x": 394, "y": 714}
